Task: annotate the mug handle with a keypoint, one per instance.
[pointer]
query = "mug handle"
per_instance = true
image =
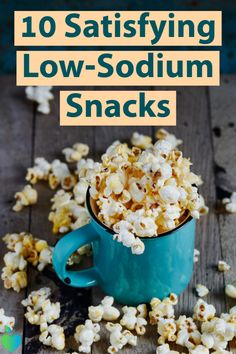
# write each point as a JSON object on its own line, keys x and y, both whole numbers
{"x": 64, "y": 249}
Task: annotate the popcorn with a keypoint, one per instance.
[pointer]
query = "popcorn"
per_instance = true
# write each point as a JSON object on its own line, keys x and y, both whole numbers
{"x": 60, "y": 175}
{"x": 119, "y": 338}
{"x": 42, "y": 95}
{"x": 86, "y": 335}
{"x": 223, "y": 266}
{"x": 80, "y": 190}
{"x": 162, "y": 134}
{"x": 201, "y": 290}
{"x": 26, "y": 249}
{"x": 28, "y": 196}
{"x": 5, "y": 321}
{"x": 150, "y": 189}
{"x": 76, "y": 153}
{"x": 200, "y": 349}
{"x": 162, "y": 309}
{"x": 230, "y": 291}
{"x": 36, "y": 298}
{"x": 196, "y": 255}
{"x": 132, "y": 321}
{"x": 187, "y": 333}
{"x": 140, "y": 140}
{"x": 165, "y": 349}
{"x": 216, "y": 333}
{"x": 230, "y": 203}
{"x": 104, "y": 311}
{"x": 166, "y": 327}
{"x": 40, "y": 171}
{"x": 203, "y": 311}
{"x": 53, "y": 336}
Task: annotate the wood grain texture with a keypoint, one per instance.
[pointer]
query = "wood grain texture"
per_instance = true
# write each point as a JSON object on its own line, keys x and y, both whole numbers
{"x": 223, "y": 114}
{"x": 15, "y": 156}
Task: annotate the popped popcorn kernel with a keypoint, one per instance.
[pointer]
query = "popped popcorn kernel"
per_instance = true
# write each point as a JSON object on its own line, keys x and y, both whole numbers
{"x": 203, "y": 311}
{"x": 53, "y": 337}
{"x": 85, "y": 335}
{"x": 223, "y": 266}
{"x": 230, "y": 203}
{"x": 201, "y": 290}
{"x": 165, "y": 349}
{"x": 162, "y": 309}
{"x": 163, "y": 134}
{"x": 40, "y": 171}
{"x": 5, "y": 321}
{"x": 105, "y": 311}
{"x": 140, "y": 140}
{"x": 196, "y": 255}
{"x": 28, "y": 196}
{"x": 42, "y": 95}
{"x": 133, "y": 319}
{"x": 188, "y": 334}
{"x": 166, "y": 328}
{"x": 119, "y": 338}
{"x": 76, "y": 153}
{"x": 230, "y": 291}
{"x": 61, "y": 175}
{"x": 200, "y": 349}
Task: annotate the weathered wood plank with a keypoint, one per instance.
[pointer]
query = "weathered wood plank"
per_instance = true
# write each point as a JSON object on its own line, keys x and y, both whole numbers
{"x": 223, "y": 113}
{"x": 50, "y": 139}
{"x": 16, "y": 117}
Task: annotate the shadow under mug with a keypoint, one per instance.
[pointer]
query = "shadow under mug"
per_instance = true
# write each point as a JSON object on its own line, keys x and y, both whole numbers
{"x": 165, "y": 266}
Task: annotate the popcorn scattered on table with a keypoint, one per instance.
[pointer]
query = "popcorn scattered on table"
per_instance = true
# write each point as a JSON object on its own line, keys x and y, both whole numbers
{"x": 188, "y": 334}
{"x": 85, "y": 335}
{"x": 42, "y": 312}
{"x": 166, "y": 328}
{"x": 133, "y": 319}
{"x": 28, "y": 196}
{"x": 105, "y": 311}
{"x": 39, "y": 172}
{"x": 163, "y": 134}
{"x": 42, "y": 95}
{"x": 141, "y": 141}
{"x": 164, "y": 308}
{"x": 201, "y": 290}
{"x": 196, "y": 255}
{"x": 76, "y": 153}
{"x": 230, "y": 290}
{"x": 24, "y": 249}
{"x": 141, "y": 193}
{"x": 119, "y": 338}
{"x": 223, "y": 266}
{"x": 61, "y": 175}
{"x": 6, "y": 321}
{"x": 203, "y": 311}
{"x": 200, "y": 349}
{"x": 230, "y": 203}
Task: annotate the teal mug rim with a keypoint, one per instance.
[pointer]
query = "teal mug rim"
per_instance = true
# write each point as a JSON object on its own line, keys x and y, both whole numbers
{"x": 110, "y": 231}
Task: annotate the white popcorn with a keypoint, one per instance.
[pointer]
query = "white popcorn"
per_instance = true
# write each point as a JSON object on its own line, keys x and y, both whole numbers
{"x": 164, "y": 146}
{"x": 119, "y": 338}
{"x": 221, "y": 351}
{"x": 80, "y": 190}
{"x": 196, "y": 255}
{"x": 60, "y": 174}
{"x": 140, "y": 140}
{"x": 169, "y": 194}
{"x": 166, "y": 328}
{"x": 76, "y": 153}
{"x": 5, "y": 321}
{"x": 223, "y": 266}
{"x": 114, "y": 184}
{"x": 28, "y": 196}
{"x": 216, "y": 333}
{"x": 86, "y": 335}
{"x": 51, "y": 311}
{"x": 132, "y": 320}
{"x": 230, "y": 291}
{"x": 203, "y": 311}
{"x": 104, "y": 311}
{"x": 14, "y": 261}
{"x": 230, "y": 203}
{"x": 36, "y": 298}
{"x": 164, "y": 308}
{"x": 53, "y": 336}
{"x": 187, "y": 333}
{"x": 14, "y": 280}
{"x": 164, "y": 134}
{"x": 40, "y": 170}
{"x": 201, "y": 290}
{"x": 165, "y": 349}
{"x": 200, "y": 349}
{"x": 42, "y": 95}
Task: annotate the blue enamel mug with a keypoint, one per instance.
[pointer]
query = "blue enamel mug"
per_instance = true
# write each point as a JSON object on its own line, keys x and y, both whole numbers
{"x": 165, "y": 266}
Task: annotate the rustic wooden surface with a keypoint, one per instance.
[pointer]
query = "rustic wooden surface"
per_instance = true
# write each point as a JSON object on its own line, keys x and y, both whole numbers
{"x": 206, "y": 123}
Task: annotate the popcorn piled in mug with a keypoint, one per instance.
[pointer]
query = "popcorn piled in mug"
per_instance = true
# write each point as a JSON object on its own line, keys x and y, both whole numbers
{"x": 142, "y": 193}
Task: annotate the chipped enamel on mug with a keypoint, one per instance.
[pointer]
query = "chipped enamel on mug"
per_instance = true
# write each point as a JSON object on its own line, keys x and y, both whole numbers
{"x": 165, "y": 266}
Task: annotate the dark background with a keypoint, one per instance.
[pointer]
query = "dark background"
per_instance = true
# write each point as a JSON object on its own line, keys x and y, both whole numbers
{"x": 228, "y": 7}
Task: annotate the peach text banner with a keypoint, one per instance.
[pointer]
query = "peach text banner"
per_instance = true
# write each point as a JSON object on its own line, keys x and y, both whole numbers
{"x": 122, "y": 97}
{"x": 59, "y": 37}
{"x": 90, "y": 68}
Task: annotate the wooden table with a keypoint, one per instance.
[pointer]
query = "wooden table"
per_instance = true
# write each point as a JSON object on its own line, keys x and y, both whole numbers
{"x": 207, "y": 125}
